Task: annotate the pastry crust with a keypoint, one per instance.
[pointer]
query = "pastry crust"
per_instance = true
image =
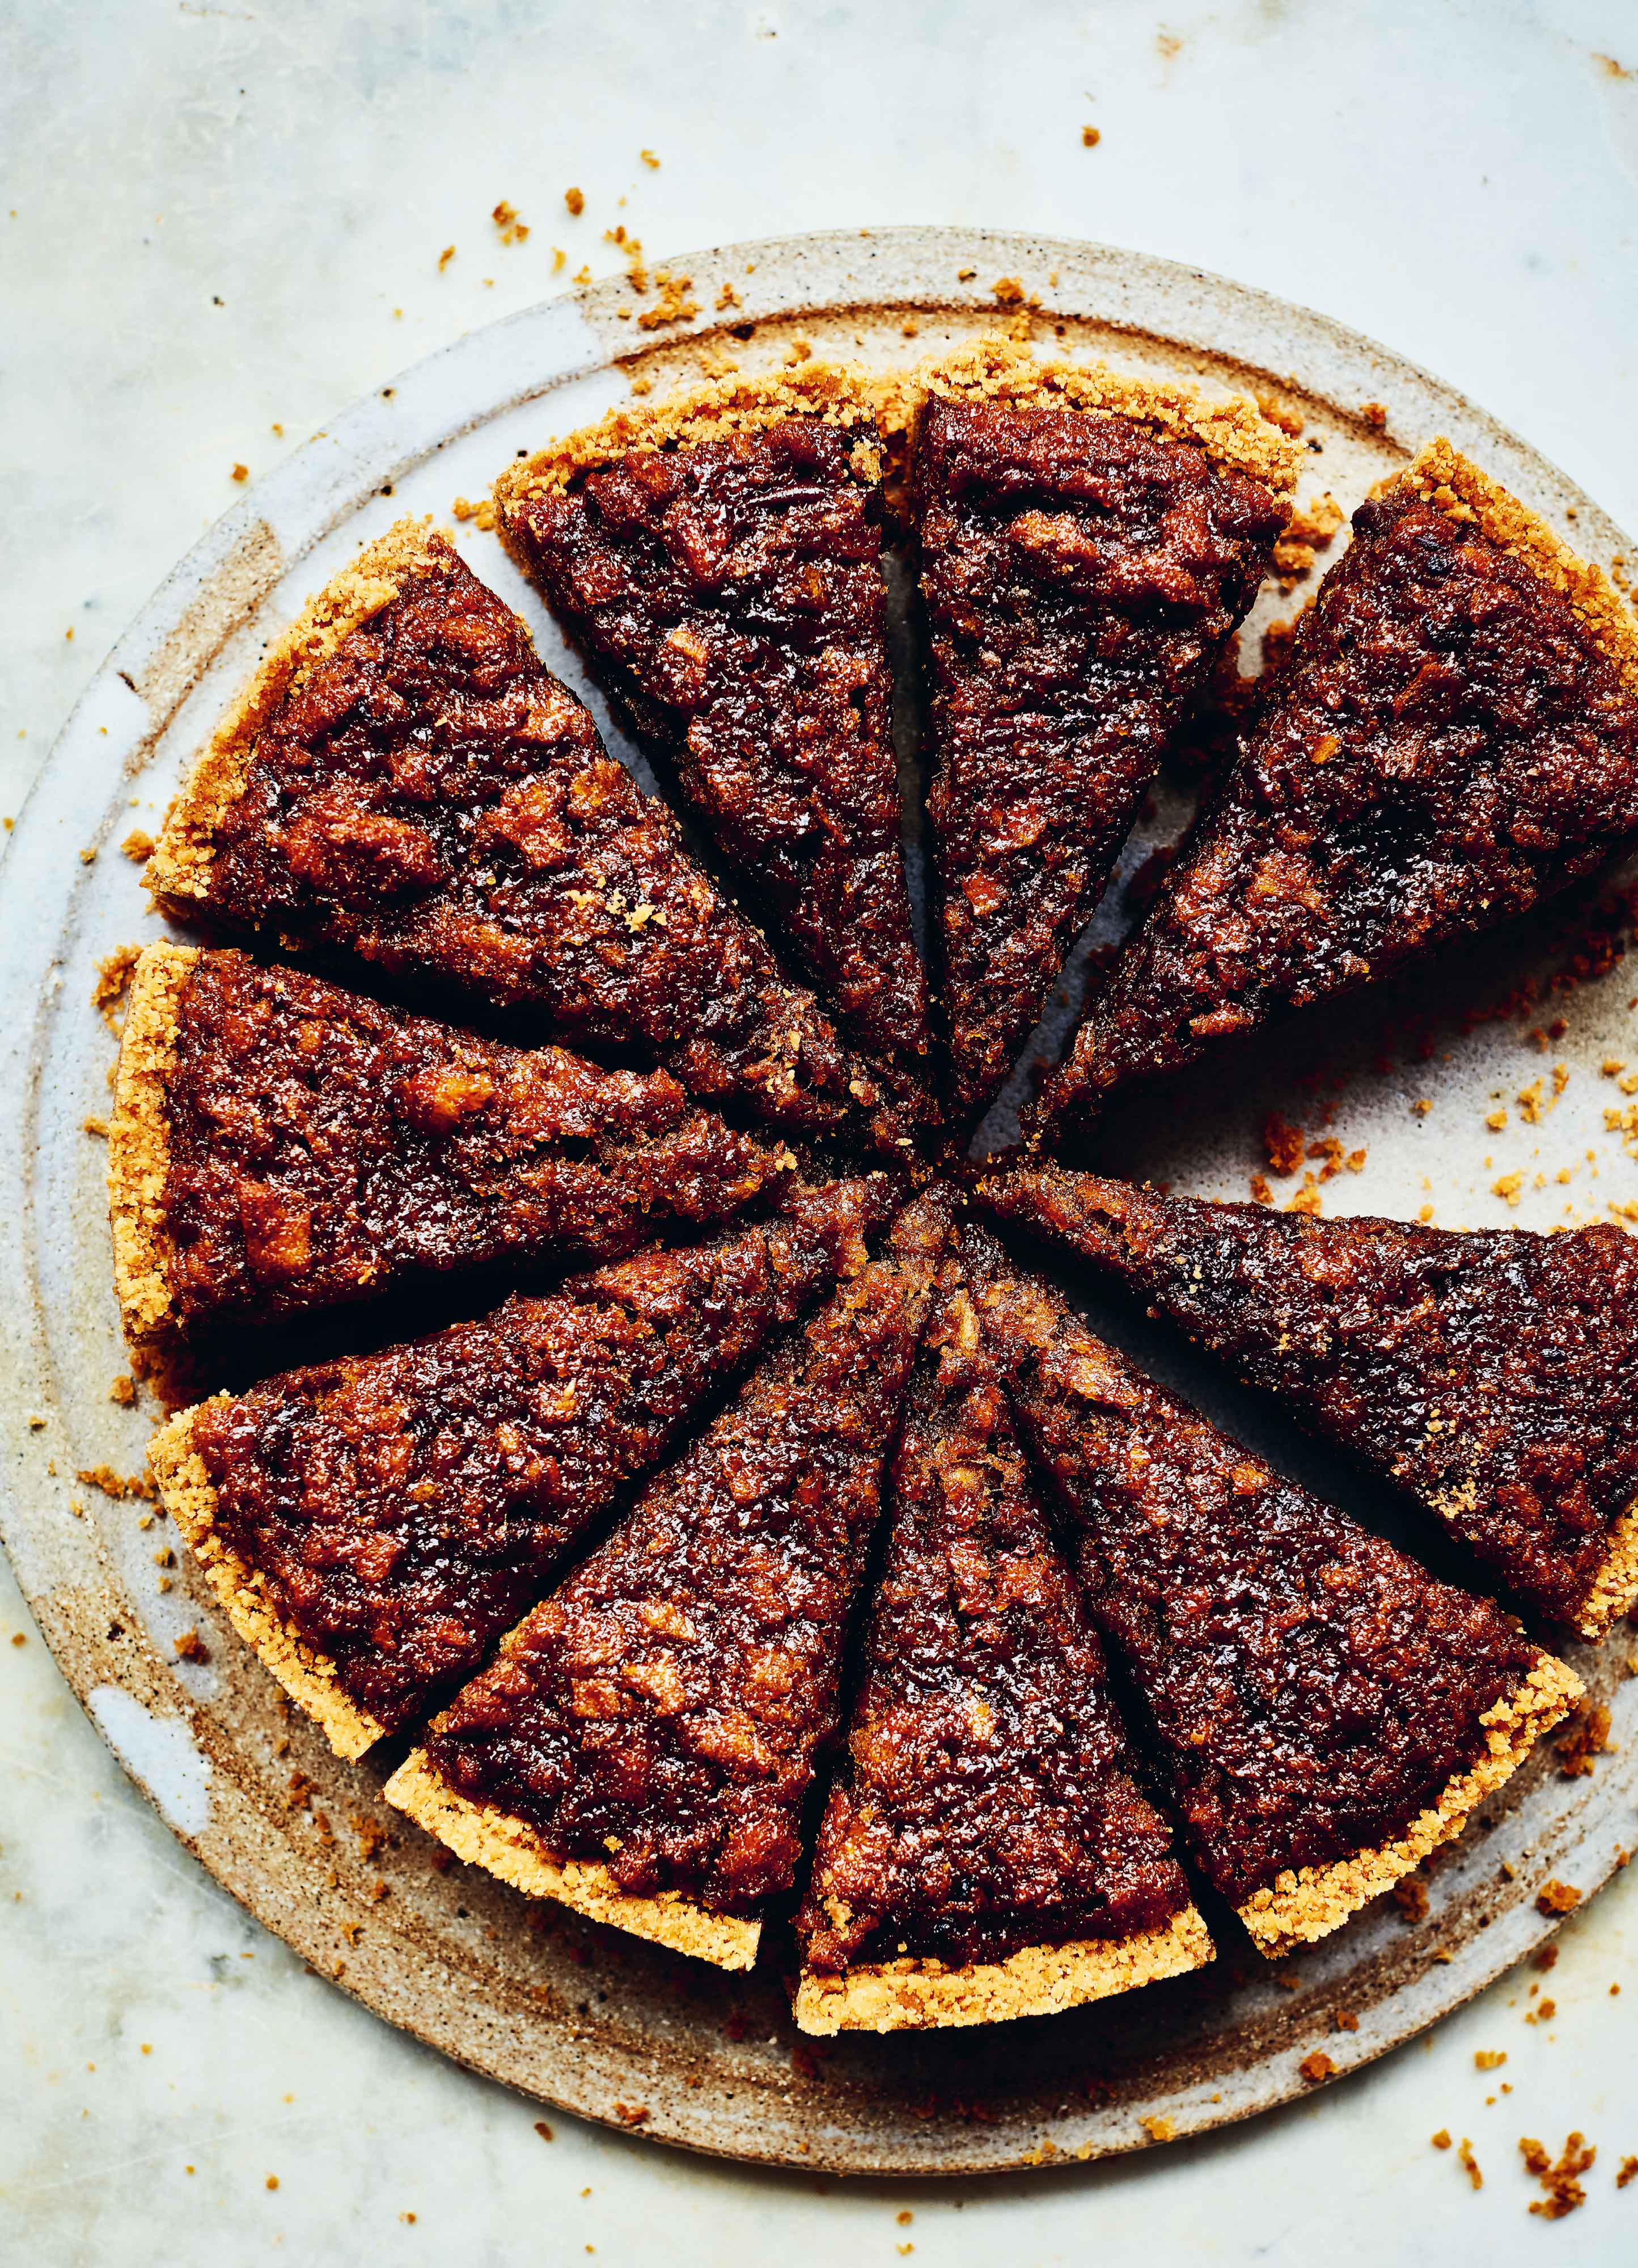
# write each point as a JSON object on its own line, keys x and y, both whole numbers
{"x": 1442, "y": 475}
{"x": 1038, "y": 1980}
{"x": 697, "y": 414}
{"x": 139, "y": 1139}
{"x": 180, "y": 865}
{"x": 1233, "y": 433}
{"x": 491, "y": 1838}
{"x": 1311, "y": 1902}
{"x": 310, "y": 1678}
{"x": 1614, "y": 1590}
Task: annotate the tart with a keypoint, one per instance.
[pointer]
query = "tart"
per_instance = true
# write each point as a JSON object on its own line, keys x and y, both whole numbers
{"x": 278, "y": 1144}
{"x": 984, "y": 1853}
{"x": 402, "y": 778}
{"x": 644, "y": 1745}
{"x": 716, "y": 561}
{"x": 1489, "y": 1372}
{"x": 1453, "y": 738}
{"x": 373, "y": 1525}
{"x": 1088, "y": 544}
{"x": 1325, "y": 1713}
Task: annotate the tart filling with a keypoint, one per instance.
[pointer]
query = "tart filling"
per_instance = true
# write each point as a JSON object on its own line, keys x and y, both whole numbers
{"x": 660, "y": 1715}
{"x": 404, "y": 779}
{"x": 1488, "y": 1372}
{"x": 1325, "y": 1712}
{"x": 717, "y": 562}
{"x": 377, "y": 1522}
{"x": 1453, "y": 738}
{"x": 279, "y": 1144}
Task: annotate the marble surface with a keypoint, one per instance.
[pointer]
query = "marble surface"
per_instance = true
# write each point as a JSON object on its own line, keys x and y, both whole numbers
{"x": 220, "y": 222}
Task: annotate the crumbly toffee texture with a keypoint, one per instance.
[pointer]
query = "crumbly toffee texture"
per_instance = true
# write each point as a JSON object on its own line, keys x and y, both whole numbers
{"x": 1311, "y": 1691}
{"x": 1084, "y": 558}
{"x": 1491, "y": 1373}
{"x": 401, "y": 1510}
{"x": 288, "y": 1145}
{"x": 1453, "y": 737}
{"x": 721, "y": 573}
{"x": 1038, "y": 1980}
{"x": 1311, "y": 1901}
{"x": 661, "y": 1714}
{"x": 404, "y": 779}
{"x": 985, "y": 1805}
{"x": 512, "y": 1851}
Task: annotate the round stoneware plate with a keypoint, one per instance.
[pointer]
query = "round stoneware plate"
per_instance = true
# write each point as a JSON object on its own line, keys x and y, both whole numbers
{"x": 559, "y": 2007}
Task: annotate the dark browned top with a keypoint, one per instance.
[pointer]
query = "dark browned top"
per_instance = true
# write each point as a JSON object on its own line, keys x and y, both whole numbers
{"x": 729, "y": 596}
{"x": 320, "y": 1144}
{"x": 1080, "y": 576}
{"x": 1310, "y": 1689}
{"x": 1492, "y": 1372}
{"x": 1445, "y": 745}
{"x": 406, "y": 1507}
{"x": 433, "y": 799}
{"x": 661, "y": 1713}
{"x": 984, "y": 1801}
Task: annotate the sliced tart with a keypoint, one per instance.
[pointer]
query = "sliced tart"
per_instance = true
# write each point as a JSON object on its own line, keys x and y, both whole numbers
{"x": 1491, "y": 1373}
{"x": 278, "y": 1144}
{"x": 1453, "y": 737}
{"x": 402, "y": 777}
{"x": 373, "y": 1525}
{"x": 1088, "y": 544}
{"x": 985, "y": 1853}
{"x": 716, "y": 560}
{"x": 644, "y": 1746}
{"x": 1326, "y": 1712}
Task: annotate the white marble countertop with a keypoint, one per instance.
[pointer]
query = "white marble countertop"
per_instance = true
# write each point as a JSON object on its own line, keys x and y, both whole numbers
{"x": 220, "y": 224}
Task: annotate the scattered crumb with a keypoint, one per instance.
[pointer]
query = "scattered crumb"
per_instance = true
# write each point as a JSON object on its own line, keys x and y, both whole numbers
{"x": 97, "y": 1126}
{"x": 575, "y": 199}
{"x": 1509, "y": 1186}
{"x": 1562, "y": 2182}
{"x": 1344, "y": 2020}
{"x": 1089, "y": 137}
{"x": 123, "y": 1390}
{"x": 1158, "y": 2129}
{"x": 190, "y": 1646}
{"x": 1410, "y": 1897}
{"x": 543, "y": 2130}
{"x": 1317, "y": 2066}
{"x": 1628, "y": 2173}
{"x": 673, "y": 305}
{"x": 1284, "y": 1146}
{"x": 1009, "y": 292}
{"x": 240, "y": 472}
{"x": 1489, "y": 2058}
{"x": 1586, "y": 1736}
{"x": 512, "y": 230}
{"x": 1470, "y": 2164}
{"x": 444, "y": 257}
{"x": 1441, "y": 2140}
{"x": 649, "y": 160}
{"x": 1556, "y": 1898}
{"x": 1260, "y": 1190}
{"x": 139, "y": 846}
{"x": 481, "y": 511}
{"x": 1308, "y": 1198}
{"x": 1375, "y": 413}
{"x": 631, "y": 2113}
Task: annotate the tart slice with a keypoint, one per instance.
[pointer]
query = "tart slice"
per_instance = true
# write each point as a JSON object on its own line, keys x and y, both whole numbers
{"x": 1088, "y": 544}
{"x": 278, "y": 1144}
{"x": 1493, "y": 1374}
{"x": 1326, "y": 1714}
{"x": 984, "y": 1853}
{"x": 373, "y": 1525}
{"x": 718, "y": 561}
{"x": 402, "y": 777}
{"x": 644, "y": 1746}
{"x": 1453, "y": 737}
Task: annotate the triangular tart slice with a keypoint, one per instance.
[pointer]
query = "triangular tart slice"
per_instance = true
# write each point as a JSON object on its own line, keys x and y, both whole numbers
{"x": 645, "y": 1744}
{"x": 402, "y": 777}
{"x": 373, "y": 1525}
{"x": 1492, "y": 1372}
{"x": 1088, "y": 544}
{"x": 1453, "y": 738}
{"x": 1326, "y": 1712}
{"x": 985, "y": 1852}
{"x": 716, "y": 558}
{"x": 278, "y": 1144}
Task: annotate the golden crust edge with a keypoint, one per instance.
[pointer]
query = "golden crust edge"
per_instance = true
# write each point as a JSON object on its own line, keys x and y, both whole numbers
{"x": 186, "y": 844}
{"x": 1444, "y": 477}
{"x": 139, "y": 1138}
{"x": 1614, "y": 1588}
{"x": 1232, "y": 432}
{"x": 1038, "y": 1980}
{"x": 309, "y": 1678}
{"x": 508, "y": 1848}
{"x": 1309, "y": 1901}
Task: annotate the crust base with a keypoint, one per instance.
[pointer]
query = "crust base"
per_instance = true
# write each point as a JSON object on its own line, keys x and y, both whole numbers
{"x": 507, "y": 1847}
{"x": 1445, "y": 477}
{"x": 310, "y": 1678}
{"x": 180, "y": 865}
{"x": 1234, "y": 434}
{"x": 1312, "y": 1901}
{"x": 1038, "y": 1980}
{"x": 139, "y": 1140}
{"x": 1614, "y": 1590}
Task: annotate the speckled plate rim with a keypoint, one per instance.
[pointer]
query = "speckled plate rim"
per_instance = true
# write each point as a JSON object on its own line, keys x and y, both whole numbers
{"x": 141, "y": 1701}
